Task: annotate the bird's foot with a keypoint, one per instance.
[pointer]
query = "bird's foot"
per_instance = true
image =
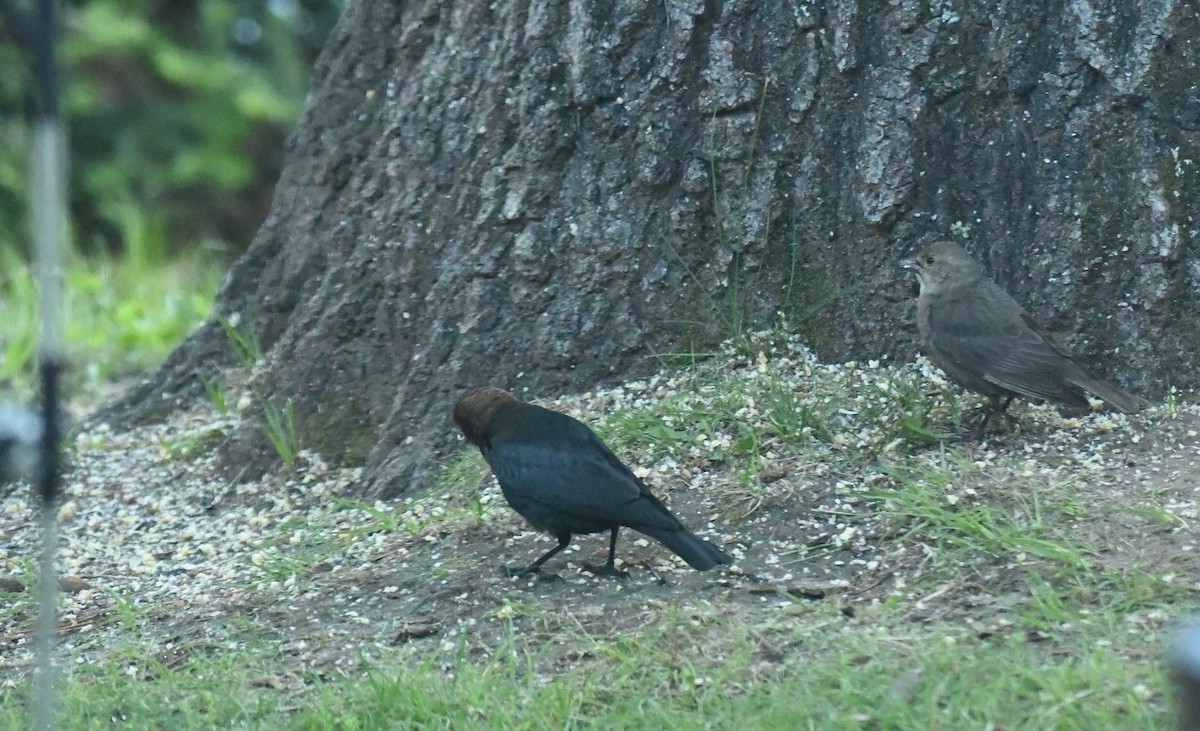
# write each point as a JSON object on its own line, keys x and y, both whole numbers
{"x": 971, "y": 440}
{"x": 998, "y": 417}
{"x": 968, "y": 433}
{"x": 961, "y": 435}
{"x": 541, "y": 575}
{"x": 606, "y": 569}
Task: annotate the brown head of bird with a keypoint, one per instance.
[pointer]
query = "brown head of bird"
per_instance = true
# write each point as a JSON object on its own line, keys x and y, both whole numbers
{"x": 474, "y": 411}
{"x": 941, "y": 263}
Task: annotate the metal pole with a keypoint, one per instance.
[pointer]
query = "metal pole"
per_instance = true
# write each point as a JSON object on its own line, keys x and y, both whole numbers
{"x": 48, "y": 155}
{"x": 1184, "y": 660}
{"x": 49, "y": 217}
{"x": 37, "y": 31}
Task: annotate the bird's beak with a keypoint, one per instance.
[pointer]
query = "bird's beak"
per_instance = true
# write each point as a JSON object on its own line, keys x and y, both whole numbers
{"x": 909, "y": 264}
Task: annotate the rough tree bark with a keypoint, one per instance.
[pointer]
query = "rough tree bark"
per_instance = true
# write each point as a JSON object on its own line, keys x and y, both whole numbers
{"x": 543, "y": 195}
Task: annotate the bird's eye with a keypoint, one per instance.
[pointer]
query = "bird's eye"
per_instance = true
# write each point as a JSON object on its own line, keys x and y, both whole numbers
{"x": 929, "y": 259}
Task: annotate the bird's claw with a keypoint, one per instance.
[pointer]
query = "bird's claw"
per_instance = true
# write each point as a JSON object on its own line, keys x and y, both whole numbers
{"x": 965, "y": 436}
{"x": 529, "y": 571}
{"x": 606, "y": 569}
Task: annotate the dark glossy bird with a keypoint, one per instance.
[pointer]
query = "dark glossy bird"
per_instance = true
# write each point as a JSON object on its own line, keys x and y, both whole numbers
{"x": 559, "y": 476}
{"x": 987, "y": 343}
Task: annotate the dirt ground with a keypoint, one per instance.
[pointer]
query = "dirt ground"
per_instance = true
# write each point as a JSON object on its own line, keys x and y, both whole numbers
{"x": 159, "y": 551}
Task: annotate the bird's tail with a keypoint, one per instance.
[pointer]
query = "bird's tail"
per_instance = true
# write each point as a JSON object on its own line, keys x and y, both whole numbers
{"x": 1113, "y": 395}
{"x": 699, "y": 553}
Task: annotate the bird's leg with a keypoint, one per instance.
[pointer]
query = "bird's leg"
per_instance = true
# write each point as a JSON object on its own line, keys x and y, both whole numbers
{"x": 991, "y": 408}
{"x": 1008, "y": 420}
{"x": 609, "y": 568}
{"x": 994, "y": 407}
{"x": 536, "y": 567}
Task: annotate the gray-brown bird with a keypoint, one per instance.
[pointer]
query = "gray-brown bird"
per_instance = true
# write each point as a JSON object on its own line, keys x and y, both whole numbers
{"x": 559, "y": 476}
{"x": 987, "y": 343}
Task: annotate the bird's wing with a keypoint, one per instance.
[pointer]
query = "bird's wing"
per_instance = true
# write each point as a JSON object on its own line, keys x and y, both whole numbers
{"x": 576, "y": 476}
{"x": 992, "y": 336}
{"x": 1046, "y": 336}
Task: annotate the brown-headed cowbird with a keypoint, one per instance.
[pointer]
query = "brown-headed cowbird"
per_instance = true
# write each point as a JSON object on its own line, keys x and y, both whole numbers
{"x": 985, "y": 342}
{"x": 559, "y": 476}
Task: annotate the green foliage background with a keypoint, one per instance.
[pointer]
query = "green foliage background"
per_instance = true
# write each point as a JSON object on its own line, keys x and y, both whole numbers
{"x": 177, "y": 112}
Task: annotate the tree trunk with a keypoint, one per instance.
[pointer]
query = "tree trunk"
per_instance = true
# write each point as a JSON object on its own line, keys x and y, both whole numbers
{"x": 543, "y": 196}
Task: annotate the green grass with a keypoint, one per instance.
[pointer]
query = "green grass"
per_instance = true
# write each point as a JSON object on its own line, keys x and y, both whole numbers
{"x": 244, "y": 342}
{"x": 121, "y": 316}
{"x": 191, "y": 443}
{"x": 960, "y": 685}
{"x": 281, "y": 430}
{"x": 686, "y": 670}
{"x": 297, "y": 545}
{"x": 762, "y": 408}
{"x": 992, "y": 520}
